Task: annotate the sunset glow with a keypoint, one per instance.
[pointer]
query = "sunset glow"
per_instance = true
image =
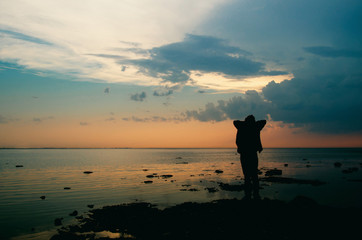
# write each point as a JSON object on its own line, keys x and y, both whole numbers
{"x": 174, "y": 74}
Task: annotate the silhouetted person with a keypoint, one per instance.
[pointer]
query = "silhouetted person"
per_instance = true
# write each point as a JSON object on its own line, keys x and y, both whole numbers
{"x": 248, "y": 142}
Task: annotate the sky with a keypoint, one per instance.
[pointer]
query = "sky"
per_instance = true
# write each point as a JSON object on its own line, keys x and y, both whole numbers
{"x": 157, "y": 73}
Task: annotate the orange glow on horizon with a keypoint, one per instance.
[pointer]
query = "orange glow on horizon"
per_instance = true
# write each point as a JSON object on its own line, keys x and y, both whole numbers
{"x": 191, "y": 134}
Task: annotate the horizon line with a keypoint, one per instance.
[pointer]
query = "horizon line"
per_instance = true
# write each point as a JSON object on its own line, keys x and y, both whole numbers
{"x": 2, "y": 148}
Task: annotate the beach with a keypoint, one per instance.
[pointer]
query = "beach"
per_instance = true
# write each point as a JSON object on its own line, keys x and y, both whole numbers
{"x": 76, "y": 181}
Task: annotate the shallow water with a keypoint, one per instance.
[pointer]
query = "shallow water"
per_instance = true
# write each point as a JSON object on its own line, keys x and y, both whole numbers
{"x": 119, "y": 174}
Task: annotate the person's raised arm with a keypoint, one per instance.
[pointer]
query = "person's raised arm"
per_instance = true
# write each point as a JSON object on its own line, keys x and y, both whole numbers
{"x": 260, "y": 124}
{"x": 238, "y": 123}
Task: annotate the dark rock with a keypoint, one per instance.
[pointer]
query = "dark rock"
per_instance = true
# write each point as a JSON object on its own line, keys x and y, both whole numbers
{"x": 67, "y": 188}
{"x": 350, "y": 170}
{"x": 229, "y": 187}
{"x": 303, "y": 202}
{"x": 262, "y": 219}
{"x": 79, "y": 217}
{"x": 308, "y": 165}
{"x": 182, "y": 163}
{"x": 285, "y": 164}
{"x": 58, "y": 221}
{"x": 87, "y": 172}
{"x": 42, "y": 197}
{"x": 90, "y": 205}
{"x": 151, "y": 176}
{"x": 292, "y": 181}
{"x": 260, "y": 172}
{"x": 19, "y": 166}
{"x": 273, "y": 172}
{"x": 179, "y": 158}
{"x": 193, "y": 190}
{"x": 354, "y": 180}
{"x": 304, "y": 159}
{"x": 147, "y": 182}
{"x": 337, "y": 164}
{"x": 219, "y": 171}
{"x": 167, "y": 176}
{"x": 186, "y": 185}
{"x": 145, "y": 170}
{"x": 74, "y": 213}
{"x": 192, "y": 175}
{"x": 211, "y": 189}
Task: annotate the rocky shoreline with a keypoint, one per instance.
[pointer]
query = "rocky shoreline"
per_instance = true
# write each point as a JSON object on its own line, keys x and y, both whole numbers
{"x": 301, "y": 218}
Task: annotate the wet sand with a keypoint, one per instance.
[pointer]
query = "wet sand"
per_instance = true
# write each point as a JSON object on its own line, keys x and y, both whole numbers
{"x": 301, "y": 218}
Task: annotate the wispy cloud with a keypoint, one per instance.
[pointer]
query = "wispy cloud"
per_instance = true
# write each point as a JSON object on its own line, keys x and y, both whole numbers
{"x": 181, "y": 118}
{"x": 85, "y": 41}
{"x": 41, "y": 119}
{"x": 4, "y": 119}
{"x": 24, "y": 37}
{"x": 83, "y": 123}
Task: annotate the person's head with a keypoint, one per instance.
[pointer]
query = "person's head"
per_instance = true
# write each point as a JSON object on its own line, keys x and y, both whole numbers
{"x": 250, "y": 119}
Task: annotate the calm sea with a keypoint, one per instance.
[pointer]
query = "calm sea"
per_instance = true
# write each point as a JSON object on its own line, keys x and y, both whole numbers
{"x": 119, "y": 175}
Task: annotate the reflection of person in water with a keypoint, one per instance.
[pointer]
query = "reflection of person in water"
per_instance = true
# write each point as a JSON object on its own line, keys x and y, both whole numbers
{"x": 248, "y": 143}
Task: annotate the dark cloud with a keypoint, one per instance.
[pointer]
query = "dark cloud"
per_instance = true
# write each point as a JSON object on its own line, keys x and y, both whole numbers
{"x": 328, "y": 104}
{"x": 173, "y": 62}
{"x": 334, "y": 52}
{"x": 235, "y": 108}
{"x": 282, "y": 23}
{"x": 107, "y": 90}
{"x": 166, "y": 90}
{"x": 83, "y": 123}
{"x": 323, "y": 104}
{"x": 139, "y": 96}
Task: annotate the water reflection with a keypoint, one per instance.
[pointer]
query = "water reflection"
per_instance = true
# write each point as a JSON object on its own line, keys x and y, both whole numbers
{"x": 118, "y": 176}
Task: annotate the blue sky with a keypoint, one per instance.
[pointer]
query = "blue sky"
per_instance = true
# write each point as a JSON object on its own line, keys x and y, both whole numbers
{"x": 295, "y": 63}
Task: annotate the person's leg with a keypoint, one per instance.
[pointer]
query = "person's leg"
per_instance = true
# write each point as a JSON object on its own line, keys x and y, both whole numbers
{"x": 254, "y": 175}
{"x": 247, "y": 176}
